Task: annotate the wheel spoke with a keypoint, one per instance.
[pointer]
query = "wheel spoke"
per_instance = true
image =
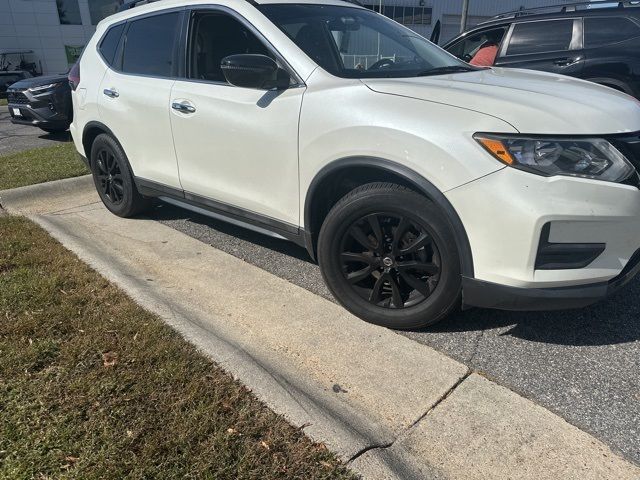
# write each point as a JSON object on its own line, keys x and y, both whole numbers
{"x": 416, "y": 245}
{"x": 351, "y": 257}
{"x": 416, "y": 283}
{"x": 396, "y": 296}
{"x": 399, "y": 233}
{"x": 374, "y": 297}
{"x": 377, "y": 231}
{"x": 357, "y": 233}
{"x": 359, "y": 275}
{"x": 430, "y": 268}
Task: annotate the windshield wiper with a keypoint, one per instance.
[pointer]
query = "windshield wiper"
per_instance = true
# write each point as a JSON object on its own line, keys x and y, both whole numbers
{"x": 447, "y": 69}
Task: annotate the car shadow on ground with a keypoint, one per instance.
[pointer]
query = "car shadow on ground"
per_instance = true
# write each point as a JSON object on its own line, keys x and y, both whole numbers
{"x": 164, "y": 212}
{"x": 609, "y": 322}
{"x": 62, "y": 137}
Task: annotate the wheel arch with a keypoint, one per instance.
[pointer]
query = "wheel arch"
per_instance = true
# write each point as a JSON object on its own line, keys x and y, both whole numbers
{"x": 90, "y": 132}
{"x": 340, "y": 176}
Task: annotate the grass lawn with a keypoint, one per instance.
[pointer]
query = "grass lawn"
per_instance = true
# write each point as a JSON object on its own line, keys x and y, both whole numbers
{"x": 93, "y": 386}
{"x": 40, "y": 165}
{"x": 3, "y": 102}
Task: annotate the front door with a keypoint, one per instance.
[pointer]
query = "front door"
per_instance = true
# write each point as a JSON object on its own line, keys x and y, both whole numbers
{"x": 237, "y": 148}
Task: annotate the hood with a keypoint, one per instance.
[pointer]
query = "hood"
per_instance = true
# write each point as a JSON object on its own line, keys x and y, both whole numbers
{"x": 533, "y": 102}
{"x": 37, "y": 81}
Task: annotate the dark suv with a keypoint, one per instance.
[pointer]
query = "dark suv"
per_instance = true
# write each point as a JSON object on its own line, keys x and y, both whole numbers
{"x": 43, "y": 102}
{"x": 596, "y": 41}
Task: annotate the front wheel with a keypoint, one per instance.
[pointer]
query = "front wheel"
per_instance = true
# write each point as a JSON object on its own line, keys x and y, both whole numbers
{"x": 389, "y": 256}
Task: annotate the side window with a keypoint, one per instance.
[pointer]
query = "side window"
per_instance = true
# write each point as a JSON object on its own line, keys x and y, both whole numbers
{"x": 468, "y": 48}
{"x": 540, "y": 37}
{"x": 110, "y": 42}
{"x": 600, "y": 31}
{"x": 150, "y": 45}
{"x": 214, "y": 36}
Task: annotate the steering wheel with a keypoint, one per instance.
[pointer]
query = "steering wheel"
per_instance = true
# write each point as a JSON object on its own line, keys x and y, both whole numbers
{"x": 383, "y": 62}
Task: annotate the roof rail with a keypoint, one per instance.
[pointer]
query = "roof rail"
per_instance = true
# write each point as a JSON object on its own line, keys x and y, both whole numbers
{"x": 569, "y": 7}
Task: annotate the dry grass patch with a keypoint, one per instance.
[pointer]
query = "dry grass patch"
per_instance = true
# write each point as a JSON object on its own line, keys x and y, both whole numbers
{"x": 92, "y": 386}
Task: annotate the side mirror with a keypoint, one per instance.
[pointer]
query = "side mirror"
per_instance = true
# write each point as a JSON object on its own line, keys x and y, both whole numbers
{"x": 254, "y": 71}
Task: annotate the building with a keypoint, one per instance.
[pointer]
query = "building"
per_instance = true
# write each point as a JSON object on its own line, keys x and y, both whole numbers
{"x": 57, "y": 30}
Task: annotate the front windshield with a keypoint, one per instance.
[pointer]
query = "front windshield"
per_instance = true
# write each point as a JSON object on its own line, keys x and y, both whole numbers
{"x": 354, "y": 42}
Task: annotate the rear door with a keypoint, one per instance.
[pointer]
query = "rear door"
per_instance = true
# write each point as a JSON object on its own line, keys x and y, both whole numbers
{"x": 612, "y": 52}
{"x": 135, "y": 92}
{"x": 547, "y": 45}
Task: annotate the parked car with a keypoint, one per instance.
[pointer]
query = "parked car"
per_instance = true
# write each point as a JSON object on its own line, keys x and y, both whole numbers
{"x": 420, "y": 183}
{"x": 594, "y": 41}
{"x": 44, "y": 102}
{"x": 9, "y": 78}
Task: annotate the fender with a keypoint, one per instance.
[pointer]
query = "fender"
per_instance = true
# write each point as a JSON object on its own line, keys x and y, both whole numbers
{"x": 420, "y": 183}
{"x": 101, "y": 126}
{"x": 611, "y": 82}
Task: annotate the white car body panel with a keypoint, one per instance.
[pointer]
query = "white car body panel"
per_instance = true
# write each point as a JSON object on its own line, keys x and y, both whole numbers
{"x": 139, "y": 119}
{"x": 239, "y": 147}
{"x": 533, "y": 102}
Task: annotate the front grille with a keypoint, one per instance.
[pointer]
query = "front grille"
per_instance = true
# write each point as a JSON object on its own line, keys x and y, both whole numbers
{"x": 17, "y": 98}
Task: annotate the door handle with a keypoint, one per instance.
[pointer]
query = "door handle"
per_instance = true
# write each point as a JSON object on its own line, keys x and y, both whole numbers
{"x": 565, "y": 62}
{"x": 183, "y": 107}
{"x": 110, "y": 93}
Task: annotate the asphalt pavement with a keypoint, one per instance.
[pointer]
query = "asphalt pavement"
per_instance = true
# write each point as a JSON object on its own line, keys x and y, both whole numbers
{"x": 14, "y": 138}
{"x": 581, "y": 364}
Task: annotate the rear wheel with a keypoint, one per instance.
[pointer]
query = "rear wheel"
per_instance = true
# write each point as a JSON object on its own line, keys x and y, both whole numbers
{"x": 113, "y": 178}
{"x": 389, "y": 256}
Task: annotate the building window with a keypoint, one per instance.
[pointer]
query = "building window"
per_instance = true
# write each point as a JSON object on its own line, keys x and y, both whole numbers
{"x": 69, "y": 12}
{"x": 413, "y": 15}
{"x": 100, "y": 9}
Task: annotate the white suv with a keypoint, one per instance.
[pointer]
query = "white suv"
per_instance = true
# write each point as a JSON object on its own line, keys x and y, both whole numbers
{"x": 419, "y": 182}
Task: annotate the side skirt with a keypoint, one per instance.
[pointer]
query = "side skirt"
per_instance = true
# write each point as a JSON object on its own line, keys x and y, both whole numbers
{"x": 222, "y": 211}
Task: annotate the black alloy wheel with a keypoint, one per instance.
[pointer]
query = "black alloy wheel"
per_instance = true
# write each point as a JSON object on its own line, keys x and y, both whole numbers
{"x": 389, "y": 256}
{"x": 392, "y": 261}
{"x": 113, "y": 178}
{"x": 109, "y": 176}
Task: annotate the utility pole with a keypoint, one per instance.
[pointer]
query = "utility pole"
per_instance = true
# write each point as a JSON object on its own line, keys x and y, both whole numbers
{"x": 465, "y": 14}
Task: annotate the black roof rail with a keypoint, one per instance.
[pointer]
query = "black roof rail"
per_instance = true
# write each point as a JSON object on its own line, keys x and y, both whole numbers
{"x": 568, "y": 7}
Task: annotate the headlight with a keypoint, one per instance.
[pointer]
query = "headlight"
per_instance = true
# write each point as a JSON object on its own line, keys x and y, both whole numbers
{"x": 43, "y": 88}
{"x": 577, "y": 157}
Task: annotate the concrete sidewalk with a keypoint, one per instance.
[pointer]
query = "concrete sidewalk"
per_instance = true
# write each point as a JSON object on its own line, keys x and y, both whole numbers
{"x": 389, "y": 406}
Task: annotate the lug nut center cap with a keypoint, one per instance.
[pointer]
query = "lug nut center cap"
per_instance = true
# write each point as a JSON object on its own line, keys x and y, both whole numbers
{"x": 387, "y": 261}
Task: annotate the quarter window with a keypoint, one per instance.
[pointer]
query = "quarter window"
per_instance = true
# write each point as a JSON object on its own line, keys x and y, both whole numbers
{"x": 150, "y": 45}
{"x": 540, "y": 37}
{"x": 600, "y": 31}
{"x": 109, "y": 43}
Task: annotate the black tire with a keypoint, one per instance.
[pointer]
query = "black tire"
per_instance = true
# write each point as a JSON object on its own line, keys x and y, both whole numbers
{"x": 54, "y": 130}
{"x": 408, "y": 274}
{"x": 113, "y": 178}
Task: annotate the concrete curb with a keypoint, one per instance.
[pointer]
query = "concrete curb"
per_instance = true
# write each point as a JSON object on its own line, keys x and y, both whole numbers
{"x": 389, "y": 406}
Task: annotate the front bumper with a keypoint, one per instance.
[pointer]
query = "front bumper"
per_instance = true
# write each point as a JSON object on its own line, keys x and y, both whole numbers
{"x": 565, "y": 239}
{"x": 477, "y": 293}
{"x": 48, "y": 111}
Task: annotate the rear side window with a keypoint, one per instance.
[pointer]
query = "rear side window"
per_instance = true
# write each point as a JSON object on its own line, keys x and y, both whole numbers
{"x": 109, "y": 43}
{"x": 600, "y": 31}
{"x": 540, "y": 37}
{"x": 150, "y": 45}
